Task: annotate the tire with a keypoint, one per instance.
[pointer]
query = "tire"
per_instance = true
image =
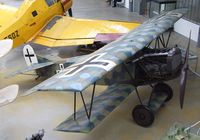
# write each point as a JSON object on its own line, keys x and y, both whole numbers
{"x": 164, "y": 88}
{"x": 143, "y": 116}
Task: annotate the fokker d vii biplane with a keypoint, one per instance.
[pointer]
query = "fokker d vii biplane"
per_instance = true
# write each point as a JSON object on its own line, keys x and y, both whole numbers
{"x": 7, "y": 94}
{"x": 43, "y": 23}
{"x": 123, "y": 65}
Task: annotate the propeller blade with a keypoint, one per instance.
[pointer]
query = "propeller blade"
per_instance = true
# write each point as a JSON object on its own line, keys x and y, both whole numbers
{"x": 182, "y": 86}
{"x": 184, "y": 72}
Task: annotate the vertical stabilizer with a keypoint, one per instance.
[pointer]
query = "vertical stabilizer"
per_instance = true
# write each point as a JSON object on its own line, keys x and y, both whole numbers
{"x": 29, "y": 55}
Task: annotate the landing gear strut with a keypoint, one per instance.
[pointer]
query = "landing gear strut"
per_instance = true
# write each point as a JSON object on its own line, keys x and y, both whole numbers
{"x": 143, "y": 114}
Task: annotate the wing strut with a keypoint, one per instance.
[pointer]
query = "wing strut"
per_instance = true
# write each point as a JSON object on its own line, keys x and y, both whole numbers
{"x": 161, "y": 39}
{"x": 88, "y": 112}
{"x": 133, "y": 82}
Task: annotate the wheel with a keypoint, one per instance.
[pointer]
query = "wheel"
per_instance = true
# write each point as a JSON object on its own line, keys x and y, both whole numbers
{"x": 164, "y": 88}
{"x": 143, "y": 116}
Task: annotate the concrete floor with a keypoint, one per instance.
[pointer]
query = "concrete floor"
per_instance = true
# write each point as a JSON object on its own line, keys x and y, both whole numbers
{"x": 47, "y": 109}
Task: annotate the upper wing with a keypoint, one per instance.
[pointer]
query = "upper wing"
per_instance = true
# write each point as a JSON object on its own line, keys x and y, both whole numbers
{"x": 67, "y": 31}
{"x": 80, "y": 75}
{"x": 6, "y": 13}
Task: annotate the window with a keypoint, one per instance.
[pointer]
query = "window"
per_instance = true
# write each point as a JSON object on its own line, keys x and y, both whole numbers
{"x": 51, "y": 2}
{"x": 34, "y": 13}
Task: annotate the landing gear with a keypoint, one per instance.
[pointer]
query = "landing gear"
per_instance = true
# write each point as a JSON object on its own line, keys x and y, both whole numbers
{"x": 143, "y": 114}
{"x": 164, "y": 88}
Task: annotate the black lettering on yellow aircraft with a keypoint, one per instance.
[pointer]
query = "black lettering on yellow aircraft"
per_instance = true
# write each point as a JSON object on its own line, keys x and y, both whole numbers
{"x": 13, "y": 35}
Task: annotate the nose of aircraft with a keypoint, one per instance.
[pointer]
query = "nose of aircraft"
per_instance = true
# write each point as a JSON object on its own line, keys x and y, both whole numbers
{"x": 66, "y": 4}
{"x": 64, "y": 1}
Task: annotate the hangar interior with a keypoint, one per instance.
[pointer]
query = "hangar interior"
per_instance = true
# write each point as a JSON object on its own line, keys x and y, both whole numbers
{"x": 45, "y": 110}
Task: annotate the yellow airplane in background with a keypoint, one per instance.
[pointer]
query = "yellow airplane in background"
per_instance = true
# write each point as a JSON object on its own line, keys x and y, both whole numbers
{"x": 43, "y": 22}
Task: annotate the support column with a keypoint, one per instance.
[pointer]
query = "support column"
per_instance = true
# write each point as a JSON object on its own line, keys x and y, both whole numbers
{"x": 130, "y": 5}
{"x": 198, "y": 43}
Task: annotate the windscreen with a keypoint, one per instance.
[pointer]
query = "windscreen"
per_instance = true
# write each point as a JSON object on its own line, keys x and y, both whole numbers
{"x": 50, "y": 2}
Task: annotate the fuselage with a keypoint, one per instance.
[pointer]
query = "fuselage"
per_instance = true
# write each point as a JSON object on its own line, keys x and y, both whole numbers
{"x": 30, "y": 18}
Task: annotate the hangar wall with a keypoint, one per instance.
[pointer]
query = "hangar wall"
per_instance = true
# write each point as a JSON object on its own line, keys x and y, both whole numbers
{"x": 194, "y": 28}
{"x": 193, "y": 9}
{"x": 191, "y": 20}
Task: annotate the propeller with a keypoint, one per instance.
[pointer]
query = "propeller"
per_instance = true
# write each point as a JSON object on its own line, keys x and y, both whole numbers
{"x": 184, "y": 72}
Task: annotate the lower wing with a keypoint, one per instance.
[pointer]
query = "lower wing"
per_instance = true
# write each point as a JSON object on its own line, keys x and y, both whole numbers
{"x": 103, "y": 105}
{"x": 67, "y": 31}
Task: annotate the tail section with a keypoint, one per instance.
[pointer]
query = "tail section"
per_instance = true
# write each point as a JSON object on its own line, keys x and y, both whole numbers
{"x": 30, "y": 56}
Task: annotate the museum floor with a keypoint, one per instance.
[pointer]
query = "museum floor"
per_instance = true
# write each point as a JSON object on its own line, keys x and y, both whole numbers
{"x": 45, "y": 110}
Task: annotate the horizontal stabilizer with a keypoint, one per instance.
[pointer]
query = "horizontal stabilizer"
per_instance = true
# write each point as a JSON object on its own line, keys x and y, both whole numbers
{"x": 29, "y": 68}
{"x": 8, "y": 94}
{"x": 102, "y": 106}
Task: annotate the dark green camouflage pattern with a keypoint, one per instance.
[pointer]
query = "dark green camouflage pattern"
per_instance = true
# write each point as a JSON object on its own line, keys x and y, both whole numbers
{"x": 157, "y": 100}
{"x": 103, "y": 105}
{"x": 118, "y": 75}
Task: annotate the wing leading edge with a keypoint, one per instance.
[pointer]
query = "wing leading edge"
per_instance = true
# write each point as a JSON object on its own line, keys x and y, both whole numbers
{"x": 80, "y": 75}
